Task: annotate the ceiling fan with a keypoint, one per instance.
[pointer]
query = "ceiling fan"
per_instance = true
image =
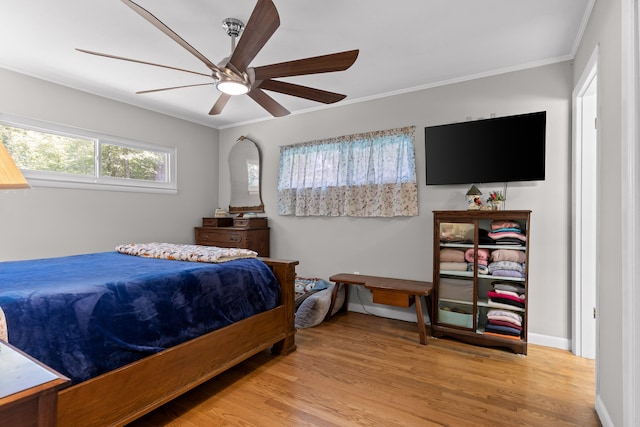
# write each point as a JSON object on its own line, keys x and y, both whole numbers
{"x": 233, "y": 76}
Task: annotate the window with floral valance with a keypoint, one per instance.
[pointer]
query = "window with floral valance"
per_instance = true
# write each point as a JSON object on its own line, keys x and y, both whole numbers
{"x": 364, "y": 175}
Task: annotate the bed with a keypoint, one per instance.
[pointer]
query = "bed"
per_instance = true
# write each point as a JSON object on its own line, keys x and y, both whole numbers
{"x": 162, "y": 370}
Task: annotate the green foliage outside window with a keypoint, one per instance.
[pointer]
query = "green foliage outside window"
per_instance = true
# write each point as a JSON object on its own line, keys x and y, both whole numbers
{"x": 40, "y": 151}
{"x": 132, "y": 163}
{"x": 48, "y": 152}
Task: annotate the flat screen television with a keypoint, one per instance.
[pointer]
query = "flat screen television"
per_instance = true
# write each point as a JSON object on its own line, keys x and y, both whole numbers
{"x": 501, "y": 149}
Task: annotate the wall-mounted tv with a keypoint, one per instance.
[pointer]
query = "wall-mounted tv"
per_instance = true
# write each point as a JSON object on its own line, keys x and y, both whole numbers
{"x": 501, "y": 149}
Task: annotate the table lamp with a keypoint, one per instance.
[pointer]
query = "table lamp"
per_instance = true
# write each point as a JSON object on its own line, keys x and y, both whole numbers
{"x": 10, "y": 175}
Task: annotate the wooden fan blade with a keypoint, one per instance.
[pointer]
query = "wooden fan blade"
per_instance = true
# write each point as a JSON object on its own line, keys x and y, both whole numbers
{"x": 268, "y": 103}
{"x": 300, "y": 91}
{"x": 317, "y": 64}
{"x": 264, "y": 21}
{"x": 220, "y": 104}
{"x": 171, "y": 88}
{"x": 106, "y": 55}
{"x": 168, "y": 31}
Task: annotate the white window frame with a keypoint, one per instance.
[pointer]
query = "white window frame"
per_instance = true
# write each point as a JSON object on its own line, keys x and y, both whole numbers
{"x": 96, "y": 182}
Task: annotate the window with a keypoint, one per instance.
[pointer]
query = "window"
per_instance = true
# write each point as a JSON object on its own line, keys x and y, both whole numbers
{"x": 370, "y": 174}
{"x": 57, "y": 156}
{"x": 253, "y": 176}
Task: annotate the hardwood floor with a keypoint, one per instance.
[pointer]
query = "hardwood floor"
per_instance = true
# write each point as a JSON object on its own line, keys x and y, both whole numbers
{"x": 360, "y": 370}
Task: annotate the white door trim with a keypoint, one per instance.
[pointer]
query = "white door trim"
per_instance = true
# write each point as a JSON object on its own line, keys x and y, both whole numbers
{"x": 578, "y": 328}
{"x": 630, "y": 211}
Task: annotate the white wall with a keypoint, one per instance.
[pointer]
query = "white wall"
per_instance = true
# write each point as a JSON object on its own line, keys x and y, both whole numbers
{"x": 44, "y": 222}
{"x": 604, "y": 30}
{"x": 402, "y": 247}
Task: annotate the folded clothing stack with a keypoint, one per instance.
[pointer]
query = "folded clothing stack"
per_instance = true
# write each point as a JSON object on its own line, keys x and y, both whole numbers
{"x": 507, "y": 233}
{"x": 501, "y": 320}
{"x": 504, "y": 323}
{"x": 483, "y": 260}
{"x": 508, "y": 263}
{"x": 507, "y": 269}
{"x": 452, "y": 259}
{"x": 506, "y": 295}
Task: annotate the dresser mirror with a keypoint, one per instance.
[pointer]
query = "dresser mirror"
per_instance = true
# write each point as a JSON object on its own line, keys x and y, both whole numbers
{"x": 244, "y": 167}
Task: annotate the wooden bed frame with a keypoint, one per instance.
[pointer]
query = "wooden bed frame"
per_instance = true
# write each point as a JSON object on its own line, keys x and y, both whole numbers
{"x": 125, "y": 394}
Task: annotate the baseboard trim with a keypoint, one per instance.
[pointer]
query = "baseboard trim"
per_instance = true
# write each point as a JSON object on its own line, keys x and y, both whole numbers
{"x": 409, "y": 315}
{"x": 549, "y": 341}
{"x": 603, "y": 414}
{"x": 388, "y": 312}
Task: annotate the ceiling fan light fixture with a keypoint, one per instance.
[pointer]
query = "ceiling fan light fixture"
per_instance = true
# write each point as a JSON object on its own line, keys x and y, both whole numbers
{"x": 232, "y": 83}
{"x": 232, "y": 87}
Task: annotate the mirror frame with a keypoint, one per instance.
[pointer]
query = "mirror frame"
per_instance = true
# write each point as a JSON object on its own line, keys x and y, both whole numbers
{"x": 243, "y": 209}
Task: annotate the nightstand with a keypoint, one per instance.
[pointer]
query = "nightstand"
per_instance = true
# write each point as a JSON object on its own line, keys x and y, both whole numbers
{"x": 28, "y": 390}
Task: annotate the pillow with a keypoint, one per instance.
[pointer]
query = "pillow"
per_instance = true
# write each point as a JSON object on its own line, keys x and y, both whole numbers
{"x": 304, "y": 285}
{"x": 340, "y": 300}
{"x": 315, "y": 307}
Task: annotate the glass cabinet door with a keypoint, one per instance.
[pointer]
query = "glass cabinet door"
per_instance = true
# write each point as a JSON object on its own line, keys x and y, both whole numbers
{"x": 455, "y": 271}
{"x": 502, "y": 283}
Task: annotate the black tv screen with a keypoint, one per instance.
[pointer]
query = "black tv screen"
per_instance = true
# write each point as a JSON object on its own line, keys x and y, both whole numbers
{"x": 500, "y": 149}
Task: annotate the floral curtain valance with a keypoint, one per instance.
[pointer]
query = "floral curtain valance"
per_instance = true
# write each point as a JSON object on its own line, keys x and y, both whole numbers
{"x": 365, "y": 175}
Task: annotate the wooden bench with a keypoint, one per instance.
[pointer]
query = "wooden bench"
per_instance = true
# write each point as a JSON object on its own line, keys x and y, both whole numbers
{"x": 389, "y": 291}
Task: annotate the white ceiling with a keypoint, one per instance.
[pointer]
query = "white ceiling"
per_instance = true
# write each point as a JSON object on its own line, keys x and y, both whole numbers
{"x": 404, "y": 45}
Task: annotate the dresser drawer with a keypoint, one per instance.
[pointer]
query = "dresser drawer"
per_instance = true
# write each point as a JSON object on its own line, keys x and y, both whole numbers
{"x": 250, "y": 222}
{"x": 215, "y": 237}
{"x": 217, "y": 222}
{"x": 256, "y": 239}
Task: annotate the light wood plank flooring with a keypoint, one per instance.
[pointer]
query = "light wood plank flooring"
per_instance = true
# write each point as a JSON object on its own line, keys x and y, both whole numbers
{"x": 360, "y": 370}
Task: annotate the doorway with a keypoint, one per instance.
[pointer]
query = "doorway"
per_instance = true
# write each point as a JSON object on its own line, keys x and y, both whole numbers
{"x": 584, "y": 227}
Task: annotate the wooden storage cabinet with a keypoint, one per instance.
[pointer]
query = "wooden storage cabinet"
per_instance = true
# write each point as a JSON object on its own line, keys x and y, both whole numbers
{"x": 232, "y": 236}
{"x": 475, "y": 275}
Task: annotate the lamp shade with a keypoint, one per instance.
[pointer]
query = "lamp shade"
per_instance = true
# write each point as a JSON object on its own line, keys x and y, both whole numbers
{"x": 10, "y": 175}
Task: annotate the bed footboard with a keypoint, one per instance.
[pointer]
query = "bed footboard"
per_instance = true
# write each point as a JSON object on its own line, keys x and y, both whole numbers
{"x": 125, "y": 394}
{"x": 285, "y": 272}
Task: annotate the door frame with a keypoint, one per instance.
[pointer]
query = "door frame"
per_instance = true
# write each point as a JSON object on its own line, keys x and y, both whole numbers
{"x": 578, "y": 265}
{"x": 630, "y": 208}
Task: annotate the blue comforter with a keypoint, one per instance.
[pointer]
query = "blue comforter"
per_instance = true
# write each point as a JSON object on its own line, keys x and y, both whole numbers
{"x": 88, "y": 314}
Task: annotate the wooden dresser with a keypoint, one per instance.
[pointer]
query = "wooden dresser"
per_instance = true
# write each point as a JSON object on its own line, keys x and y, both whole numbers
{"x": 245, "y": 233}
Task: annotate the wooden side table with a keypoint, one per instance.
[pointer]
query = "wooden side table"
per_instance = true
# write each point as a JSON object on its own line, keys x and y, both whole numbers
{"x": 28, "y": 390}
